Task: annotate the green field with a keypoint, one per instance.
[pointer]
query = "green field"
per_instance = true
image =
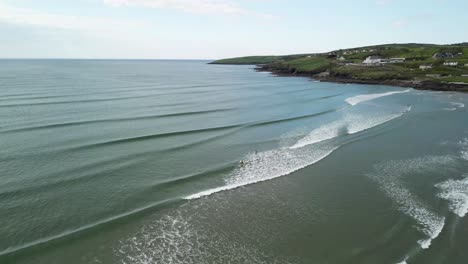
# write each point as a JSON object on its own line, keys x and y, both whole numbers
{"x": 350, "y": 63}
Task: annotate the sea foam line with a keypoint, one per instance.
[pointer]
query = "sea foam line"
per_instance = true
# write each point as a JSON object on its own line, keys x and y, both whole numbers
{"x": 367, "y": 97}
{"x": 268, "y": 165}
{"x": 350, "y": 124}
{"x": 388, "y": 175}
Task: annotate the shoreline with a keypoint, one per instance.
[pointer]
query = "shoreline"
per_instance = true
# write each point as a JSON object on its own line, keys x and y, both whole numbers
{"x": 418, "y": 85}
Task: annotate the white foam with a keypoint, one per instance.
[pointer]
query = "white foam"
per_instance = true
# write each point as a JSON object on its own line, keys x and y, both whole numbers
{"x": 358, "y": 124}
{"x": 367, "y": 97}
{"x": 183, "y": 236}
{"x": 164, "y": 241}
{"x": 350, "y": 124}
{"x": 464, "y": 151}
{"x": 269, "y": 165}
{"x": 404, "y": 261}
{"x": 320, "y": 134}
{"x": 389, "y": 176}
{"x": 458, "y": 105}
{"x": 464, "y": 154}
{"x": 456, "y": 193}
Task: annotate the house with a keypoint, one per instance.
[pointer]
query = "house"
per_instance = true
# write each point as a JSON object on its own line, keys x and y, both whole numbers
{"x": 341, "y": 58}
{"x": 451, "y": 63}
{"x": 425, "y": 67}
{"x": 373, "y": 60}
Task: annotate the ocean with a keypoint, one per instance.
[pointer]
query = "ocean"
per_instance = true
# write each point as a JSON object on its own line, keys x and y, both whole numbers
{"x": 153, "y": 161}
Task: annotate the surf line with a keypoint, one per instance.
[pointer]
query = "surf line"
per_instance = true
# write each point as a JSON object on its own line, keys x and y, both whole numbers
{"x": 261, "y": 167}
{"x": 367, "y": 97}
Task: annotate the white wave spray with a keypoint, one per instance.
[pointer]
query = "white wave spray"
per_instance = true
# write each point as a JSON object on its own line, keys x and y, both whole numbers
{"x": 367, "y": 97}
{"x": 268, "y": 165}
{"x": 456, "y": 193}
{"x": 349, "y": 124}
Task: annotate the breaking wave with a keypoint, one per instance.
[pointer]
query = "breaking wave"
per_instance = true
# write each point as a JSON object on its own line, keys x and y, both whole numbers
{"x": 268, "y": 165}
{"x": 275, "y": 163}
{"x": 350, "y": 124}
{"x": 367, "y": 97}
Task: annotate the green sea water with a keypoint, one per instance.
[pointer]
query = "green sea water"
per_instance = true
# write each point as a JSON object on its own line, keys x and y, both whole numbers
{"x": 139, "y": 161}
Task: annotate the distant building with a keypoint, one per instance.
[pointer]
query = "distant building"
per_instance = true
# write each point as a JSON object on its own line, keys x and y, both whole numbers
{"x": 451, "y": 63}
{"x": 341, "y": 58}
{"x": 373, "y": 60}
{"x": 443, "y": 55}
{"x": 425, "y": 67}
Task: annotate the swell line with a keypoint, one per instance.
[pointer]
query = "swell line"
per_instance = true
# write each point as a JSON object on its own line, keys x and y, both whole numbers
{"x": 83, "y": 228}
{"x": 112, "y": 120}
{"x": 294, "y": 118}
{"x": 155, "y": 136}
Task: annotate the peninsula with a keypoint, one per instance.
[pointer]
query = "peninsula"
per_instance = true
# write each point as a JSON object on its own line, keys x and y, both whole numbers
{"x": 420, "y": 66}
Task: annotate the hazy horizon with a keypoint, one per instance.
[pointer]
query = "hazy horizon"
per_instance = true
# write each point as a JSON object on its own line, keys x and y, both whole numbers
{"x": 214, "y": 29}
{"x": 198, "y": 59}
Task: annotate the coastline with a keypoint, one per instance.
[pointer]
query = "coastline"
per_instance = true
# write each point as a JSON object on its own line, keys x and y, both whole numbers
{"x": 418, "y": 85}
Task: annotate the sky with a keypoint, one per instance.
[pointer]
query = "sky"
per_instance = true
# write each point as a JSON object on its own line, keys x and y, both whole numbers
{"x": 213, "y": 29}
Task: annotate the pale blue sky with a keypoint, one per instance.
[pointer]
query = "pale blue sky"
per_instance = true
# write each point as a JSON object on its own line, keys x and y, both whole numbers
{"x": 211, "y": 29}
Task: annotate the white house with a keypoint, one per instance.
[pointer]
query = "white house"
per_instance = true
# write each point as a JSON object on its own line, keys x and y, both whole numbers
{"x": 451, "y": 63}
{"x": 372, "y": 60}
{"x": 425, "y": 67}
{"x": 341, "y": 58}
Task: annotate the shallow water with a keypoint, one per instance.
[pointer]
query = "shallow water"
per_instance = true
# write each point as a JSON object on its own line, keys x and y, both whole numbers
{"x": 138, "y": 162}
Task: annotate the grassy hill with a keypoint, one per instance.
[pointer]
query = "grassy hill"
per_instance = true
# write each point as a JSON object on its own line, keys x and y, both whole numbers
{"x": 346, "y": 64}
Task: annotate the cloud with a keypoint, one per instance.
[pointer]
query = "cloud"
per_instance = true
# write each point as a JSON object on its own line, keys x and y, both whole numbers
{"x": 31, "y": 17}
{"x": 191, "y": 6}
